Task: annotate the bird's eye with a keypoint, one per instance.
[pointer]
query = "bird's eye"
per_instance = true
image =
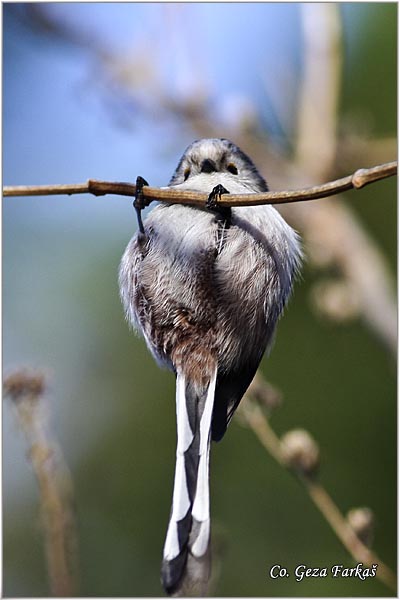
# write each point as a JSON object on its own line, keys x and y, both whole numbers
{"x": 232, "y": 169}
{"x": 186, "y": 173}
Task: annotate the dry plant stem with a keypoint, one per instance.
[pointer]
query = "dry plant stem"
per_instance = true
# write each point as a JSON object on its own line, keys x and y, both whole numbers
{"x": 258, "y": 422}
{"x": 55, "y": 488}
{"x": 345, "y": 533}
{"x": 357, "y": 180}
{"x": 319, "y": 91}
{"x": 333, "y": 229}
{"x": 330, "y": 229}
{"x": 53, "y": 512}
{"x": 331, "y": 226}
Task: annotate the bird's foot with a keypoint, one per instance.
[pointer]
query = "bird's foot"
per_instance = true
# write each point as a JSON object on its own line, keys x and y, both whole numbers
{"x": 139, "y": 204}
{"x": 223, "y": 212}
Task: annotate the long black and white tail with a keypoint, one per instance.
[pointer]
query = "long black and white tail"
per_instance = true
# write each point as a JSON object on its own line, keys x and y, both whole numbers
{"x": 186, "y": 558}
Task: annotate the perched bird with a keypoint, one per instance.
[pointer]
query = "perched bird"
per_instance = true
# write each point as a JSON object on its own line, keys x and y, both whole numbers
{"x": 206, "y": 287}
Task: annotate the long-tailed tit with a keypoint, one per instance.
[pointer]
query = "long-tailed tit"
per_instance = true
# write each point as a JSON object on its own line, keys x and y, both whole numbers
{"x": 206, "y": 287}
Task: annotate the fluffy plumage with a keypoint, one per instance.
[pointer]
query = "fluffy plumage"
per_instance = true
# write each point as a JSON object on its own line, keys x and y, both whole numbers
{"x": 206, "y": 295}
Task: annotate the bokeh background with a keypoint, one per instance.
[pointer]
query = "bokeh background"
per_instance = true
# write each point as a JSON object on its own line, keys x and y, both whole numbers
{"x": 111, "y": 91}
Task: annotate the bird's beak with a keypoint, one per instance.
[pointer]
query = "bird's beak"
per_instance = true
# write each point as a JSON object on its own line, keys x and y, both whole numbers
{"x": 208, "y": 166}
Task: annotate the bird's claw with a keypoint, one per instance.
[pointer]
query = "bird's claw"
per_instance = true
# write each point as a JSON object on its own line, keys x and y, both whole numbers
{"x": 140, "y": 202}
{"x": 212, "y": 203}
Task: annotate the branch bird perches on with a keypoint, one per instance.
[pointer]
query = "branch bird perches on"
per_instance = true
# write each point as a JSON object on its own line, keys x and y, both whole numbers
{"x": 357, "y": 180}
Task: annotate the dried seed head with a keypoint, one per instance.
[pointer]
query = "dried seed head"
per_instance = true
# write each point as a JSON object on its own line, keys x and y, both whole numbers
{"x": 362, "y": 521}
{"x": 336, "y": 300}
{"x": 300, "y": 452}
{"x": 267, "y": 395}
{"x": 24, "y": 384}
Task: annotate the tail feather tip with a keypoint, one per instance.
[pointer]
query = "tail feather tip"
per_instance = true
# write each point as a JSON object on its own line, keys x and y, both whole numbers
{"x": 186, "y": 575}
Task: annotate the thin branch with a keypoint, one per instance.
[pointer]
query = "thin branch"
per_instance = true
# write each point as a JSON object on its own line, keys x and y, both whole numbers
{"x": 332, "y": 233}
{"x": 357, "y": 180}
{"x": 254, "y": 417}
{"x": 319, "y": 89}
{"x": 25, "y": 390}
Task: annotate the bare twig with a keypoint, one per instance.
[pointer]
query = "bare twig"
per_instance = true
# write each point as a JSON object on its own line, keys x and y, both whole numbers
{"x": 357, "y": 180}
{"x": 319, "y": 90}
{"x": 253, "y": 416}
{"x": 333, "y": 236}
{"x": 332, "y": 233}
{"x": 55, "y": 487}
{"x": 336, "y": 231}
